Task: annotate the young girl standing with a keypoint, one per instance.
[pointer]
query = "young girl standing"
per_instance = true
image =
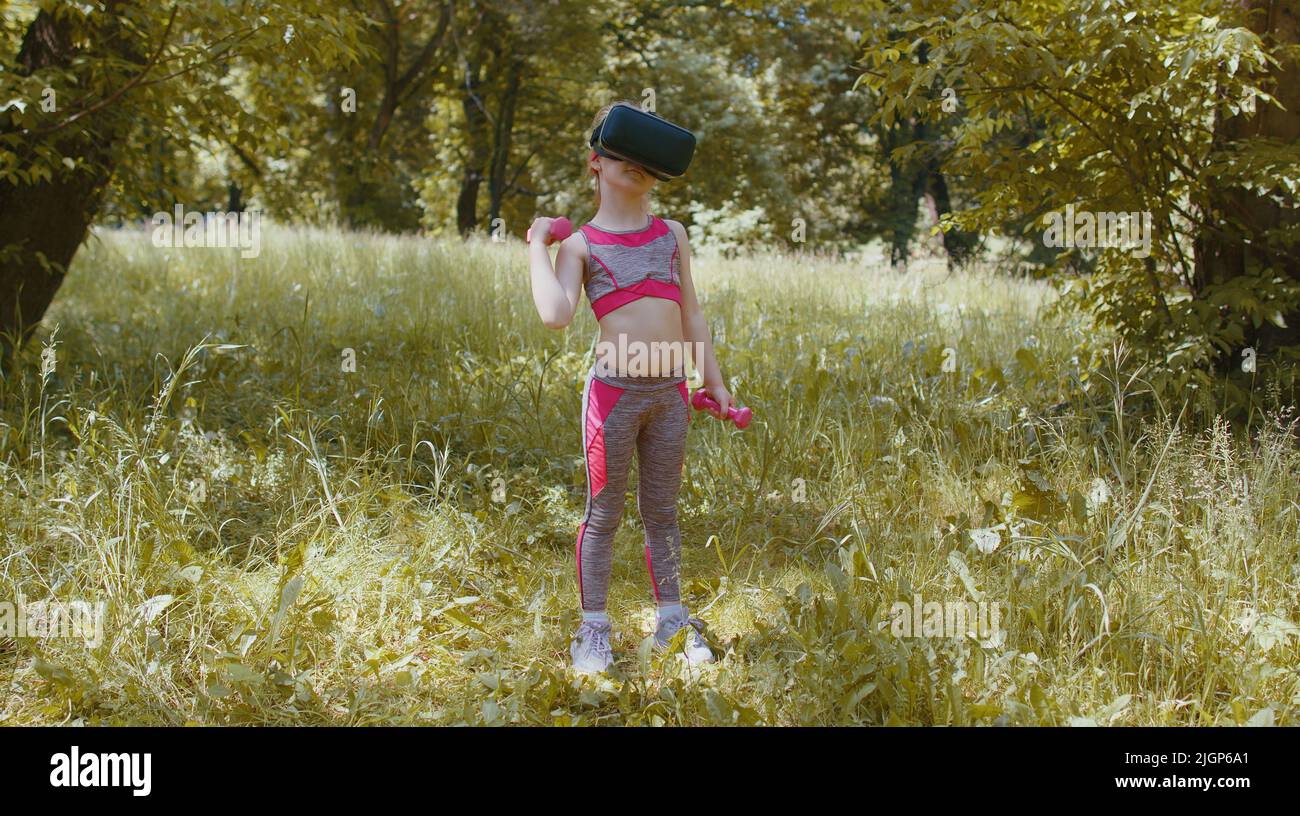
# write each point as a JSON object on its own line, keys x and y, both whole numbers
{"x": 635, "y": 268}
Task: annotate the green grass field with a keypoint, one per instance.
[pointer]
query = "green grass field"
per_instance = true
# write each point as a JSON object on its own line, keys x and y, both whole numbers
{"x": 281, "y": 541}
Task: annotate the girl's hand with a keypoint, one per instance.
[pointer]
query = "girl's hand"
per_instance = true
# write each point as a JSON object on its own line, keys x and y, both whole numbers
{"x": 540, "y": 231}
{"x": 721, "y": 396}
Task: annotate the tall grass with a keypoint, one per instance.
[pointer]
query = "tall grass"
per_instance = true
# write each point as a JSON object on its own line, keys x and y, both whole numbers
{"x": 282, "y": 540}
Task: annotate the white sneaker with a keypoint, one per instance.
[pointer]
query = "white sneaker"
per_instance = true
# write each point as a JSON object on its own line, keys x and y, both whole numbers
{"x": 590, "y": 648}
{"x": 696, "y": 650}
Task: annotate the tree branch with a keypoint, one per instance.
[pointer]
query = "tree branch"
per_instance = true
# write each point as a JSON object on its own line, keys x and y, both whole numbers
{"x": 133, "y": 82}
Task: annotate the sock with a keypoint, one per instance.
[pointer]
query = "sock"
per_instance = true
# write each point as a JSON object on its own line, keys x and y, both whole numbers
{"x": 598, "y": 617}
{"x": 667, "y": 610}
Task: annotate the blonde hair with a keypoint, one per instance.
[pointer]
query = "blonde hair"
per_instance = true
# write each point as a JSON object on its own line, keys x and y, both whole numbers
{"x": 596, "y": 122}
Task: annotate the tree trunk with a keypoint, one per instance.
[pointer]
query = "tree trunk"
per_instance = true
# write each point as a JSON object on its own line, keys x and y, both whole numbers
{"x": 477, "y": 152}
{"x": 1237, "y": 247}
{"x": 397, "y": 87}
{"x": 501, "y": 146}
{"x": 957, "y": 245}
{"x": 45, "y": 222}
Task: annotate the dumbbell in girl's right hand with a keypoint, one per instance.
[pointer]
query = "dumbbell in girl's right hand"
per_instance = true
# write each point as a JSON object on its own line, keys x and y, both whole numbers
{"x": 552, "y": 229}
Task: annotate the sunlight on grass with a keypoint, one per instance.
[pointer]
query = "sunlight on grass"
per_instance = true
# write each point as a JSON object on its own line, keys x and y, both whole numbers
{"x": 281, "y": 539}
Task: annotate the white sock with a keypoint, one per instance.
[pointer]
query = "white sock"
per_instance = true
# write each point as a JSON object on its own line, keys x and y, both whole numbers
{"x": 598, "y": 617}
{"x": 670, "y": 609}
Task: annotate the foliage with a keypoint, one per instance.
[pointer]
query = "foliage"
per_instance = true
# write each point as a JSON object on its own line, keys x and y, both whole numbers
{"x": 1116, "y": 107}
{"x": 182, "y": 92}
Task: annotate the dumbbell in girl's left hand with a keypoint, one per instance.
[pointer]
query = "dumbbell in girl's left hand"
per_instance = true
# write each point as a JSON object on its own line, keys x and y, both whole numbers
{"x": 703, "y": 402}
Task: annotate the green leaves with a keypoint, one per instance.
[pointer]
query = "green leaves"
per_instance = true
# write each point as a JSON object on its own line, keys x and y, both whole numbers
{"x": 1272, "y": 631}
{"x": 1131, "y": 112}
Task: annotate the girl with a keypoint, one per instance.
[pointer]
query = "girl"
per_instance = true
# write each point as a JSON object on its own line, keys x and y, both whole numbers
{"x": 636, "y": 270}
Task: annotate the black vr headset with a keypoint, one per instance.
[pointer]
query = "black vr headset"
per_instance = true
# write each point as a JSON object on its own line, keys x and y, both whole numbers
{"x": 647, "y": 139}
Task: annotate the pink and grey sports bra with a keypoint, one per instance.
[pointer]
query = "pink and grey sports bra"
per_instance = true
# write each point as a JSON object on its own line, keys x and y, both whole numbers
{"x": 626, "y": 266}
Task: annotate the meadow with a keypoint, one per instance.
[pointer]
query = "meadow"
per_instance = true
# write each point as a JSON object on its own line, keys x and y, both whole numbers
{"x": 339, "y": 484}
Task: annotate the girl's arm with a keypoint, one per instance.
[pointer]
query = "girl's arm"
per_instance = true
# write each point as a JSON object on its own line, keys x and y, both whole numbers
{"x": 696, "y": 329}
{"x": 556, "y": 290}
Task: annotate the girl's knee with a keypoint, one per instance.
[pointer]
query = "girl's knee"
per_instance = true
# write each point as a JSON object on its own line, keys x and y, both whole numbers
{"x": 604, "y": 519}
{"x": 658, "y": 517}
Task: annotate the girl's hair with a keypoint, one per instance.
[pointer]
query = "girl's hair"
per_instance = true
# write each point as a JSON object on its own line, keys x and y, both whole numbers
{"x": 596, "y": 122}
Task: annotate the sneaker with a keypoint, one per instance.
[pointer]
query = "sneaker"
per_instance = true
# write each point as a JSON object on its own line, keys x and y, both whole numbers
{"x": 696, "y": 649}
{"x": 590, "y": 648}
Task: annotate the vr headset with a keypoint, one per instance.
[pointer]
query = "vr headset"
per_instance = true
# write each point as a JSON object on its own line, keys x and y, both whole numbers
{"x": 629, "y": 133}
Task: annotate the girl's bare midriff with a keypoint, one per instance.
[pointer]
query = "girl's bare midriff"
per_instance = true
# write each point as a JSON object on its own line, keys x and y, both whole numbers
{"x": 645, "y": 321}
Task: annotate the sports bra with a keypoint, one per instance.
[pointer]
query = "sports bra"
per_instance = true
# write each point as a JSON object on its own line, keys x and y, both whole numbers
{"x": 625, "y": 266}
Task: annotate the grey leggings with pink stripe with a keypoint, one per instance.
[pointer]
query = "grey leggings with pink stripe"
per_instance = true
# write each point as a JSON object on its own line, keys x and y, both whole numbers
{"x": 649, "y": 414}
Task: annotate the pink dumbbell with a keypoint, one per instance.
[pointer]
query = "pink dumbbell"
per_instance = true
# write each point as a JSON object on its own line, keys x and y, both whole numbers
{"x": 561, "y": 228}
{"x": 703, "y": 402}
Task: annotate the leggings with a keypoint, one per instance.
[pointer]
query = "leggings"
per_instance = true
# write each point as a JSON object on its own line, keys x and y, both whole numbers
{"x": 649, "y": 414}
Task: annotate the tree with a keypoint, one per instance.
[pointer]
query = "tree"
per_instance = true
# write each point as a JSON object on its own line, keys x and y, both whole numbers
{"x": 408, "y": 81}
{"x": 85, "y": 85}
{"x": 1163, "y": 110}
{"x": 1257, "y": 217}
